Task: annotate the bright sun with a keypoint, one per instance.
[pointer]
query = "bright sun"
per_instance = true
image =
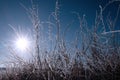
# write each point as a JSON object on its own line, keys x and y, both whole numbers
{"x": 22, "y": 43}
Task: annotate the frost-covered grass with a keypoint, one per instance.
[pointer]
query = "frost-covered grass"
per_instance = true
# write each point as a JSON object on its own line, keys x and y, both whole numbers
{"x": 92, "y": 55}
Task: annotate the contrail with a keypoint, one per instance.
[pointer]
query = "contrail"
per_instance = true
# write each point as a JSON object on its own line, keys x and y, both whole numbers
{"x": 110, "y": 32}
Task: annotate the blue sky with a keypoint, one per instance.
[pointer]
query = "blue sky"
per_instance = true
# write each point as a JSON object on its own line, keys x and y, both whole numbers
{"x": 12, "y": 13}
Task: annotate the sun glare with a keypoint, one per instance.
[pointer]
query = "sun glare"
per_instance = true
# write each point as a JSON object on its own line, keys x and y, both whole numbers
{"x": 22, "y": 43}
